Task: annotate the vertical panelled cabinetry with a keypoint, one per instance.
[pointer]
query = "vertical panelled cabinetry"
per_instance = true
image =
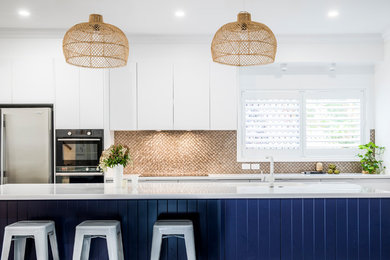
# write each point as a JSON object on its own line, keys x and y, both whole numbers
{"x": 155, "y": 96}
{"x": 5, "y": 81}
{"x": 91, "y": 98}
{"x": 67, "y": 82}
{"x": 141, "y": 96}
{"x": 191, "y": 96}
{"x": 26, "y": 81}
{"x": 79, "y": 98}
{"x": 77, "y": 94}
{"x": 223, "y": 97}
{"x": 173, "y": 96}
{"x": 123, "y": 97}
{"x": 33, "y": 81}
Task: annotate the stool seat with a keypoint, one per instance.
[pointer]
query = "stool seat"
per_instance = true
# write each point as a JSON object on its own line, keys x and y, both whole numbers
{"x": 99, "y": 223}
{"x": 171, "y": 227}
{"x": 39, "y": 230}
{"x": 181, "y": 228}
{"x": 177, "y": 222}
{"x": 108, "y": 229}
{"x": 26, "y": 227}
{"x": 31, "y": 224}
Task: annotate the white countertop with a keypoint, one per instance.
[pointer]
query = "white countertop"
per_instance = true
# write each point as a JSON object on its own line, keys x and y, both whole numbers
{"x": 297, "y": 176}
{"x": 278, "y": 176}
{"x": 197, "y": 190}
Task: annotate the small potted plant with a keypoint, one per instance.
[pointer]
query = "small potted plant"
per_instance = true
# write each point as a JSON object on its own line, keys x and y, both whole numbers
{"x": 116, "y": 157}
{"x": 369, "y": 162}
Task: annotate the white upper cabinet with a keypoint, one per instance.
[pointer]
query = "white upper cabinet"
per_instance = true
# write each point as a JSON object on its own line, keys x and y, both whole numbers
{"x": 223, "y": 97}
{"x": 5, "y": 81}
{"x": 91, "y": 98}
{"x": 67, "y": 105}
{"x": 33, "y": 81}
{"x": 123, "y": 98}
{"x": 141, "y": 96}
{"x": 191, "y": 96}
{"x": 155, "y": 96}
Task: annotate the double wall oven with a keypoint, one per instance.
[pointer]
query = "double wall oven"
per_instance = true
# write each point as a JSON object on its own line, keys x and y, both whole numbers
{"x": 77, "y": 155}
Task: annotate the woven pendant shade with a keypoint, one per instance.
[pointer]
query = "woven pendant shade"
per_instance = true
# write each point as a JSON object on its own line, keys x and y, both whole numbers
{"x": 244, "y": 43}
{"x": 95, "y": 44}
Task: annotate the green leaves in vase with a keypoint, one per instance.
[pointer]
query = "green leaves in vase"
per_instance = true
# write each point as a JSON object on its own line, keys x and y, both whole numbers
{"x": 369, "y": 162}
{"x": 115, "y": 155}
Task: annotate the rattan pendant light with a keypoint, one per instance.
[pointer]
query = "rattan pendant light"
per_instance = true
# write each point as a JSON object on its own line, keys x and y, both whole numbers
{"x": 244, "y": 43}
{"x": 95, "y": 44}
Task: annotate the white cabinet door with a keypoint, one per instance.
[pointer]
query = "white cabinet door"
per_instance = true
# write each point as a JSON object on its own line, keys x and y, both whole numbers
{"x": 33, "y": 81}
{"x": 123, "y": 98}
{"x": 223, "y": 97}
{"x": 67, "y": 105}
{"x": 91, "y": 98}
{"x": 191, "y": 101}
{"x": 155, "y": 96}
{"x": 5, "y": 81}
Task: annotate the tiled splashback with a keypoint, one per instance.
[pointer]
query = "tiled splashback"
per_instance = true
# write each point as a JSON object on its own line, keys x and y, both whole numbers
{"x": 198, "y": 153}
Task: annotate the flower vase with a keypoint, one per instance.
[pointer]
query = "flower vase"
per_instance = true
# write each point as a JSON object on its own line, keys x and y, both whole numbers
{"x": 118, "y": 175}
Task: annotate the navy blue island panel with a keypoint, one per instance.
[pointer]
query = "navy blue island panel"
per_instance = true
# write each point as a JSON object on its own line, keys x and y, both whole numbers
{"x": 309, "y": 229}
{"x": 137, "y": 218}
{"x": 285, "y": 229}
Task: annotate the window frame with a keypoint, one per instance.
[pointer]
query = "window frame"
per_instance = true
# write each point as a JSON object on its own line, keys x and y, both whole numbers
{"x": 302, "y": 154}
{"x": 252, "y": 155}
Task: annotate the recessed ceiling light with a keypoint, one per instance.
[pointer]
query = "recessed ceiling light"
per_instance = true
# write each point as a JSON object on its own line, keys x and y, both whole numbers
{"x": 24, "y": 13}
{"x": 180, "y": 13}
{"x": 333, "y": 13}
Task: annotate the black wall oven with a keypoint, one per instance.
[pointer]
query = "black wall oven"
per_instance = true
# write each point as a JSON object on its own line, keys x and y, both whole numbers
{"x": 77, "y": 155}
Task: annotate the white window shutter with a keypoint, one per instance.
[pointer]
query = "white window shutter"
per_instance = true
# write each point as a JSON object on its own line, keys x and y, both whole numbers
{"x": 333, "y": 123}
{"x": 272, "y": 124}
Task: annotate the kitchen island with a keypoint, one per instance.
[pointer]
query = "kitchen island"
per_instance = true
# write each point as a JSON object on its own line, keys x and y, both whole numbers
{"x": 232, "y": 220}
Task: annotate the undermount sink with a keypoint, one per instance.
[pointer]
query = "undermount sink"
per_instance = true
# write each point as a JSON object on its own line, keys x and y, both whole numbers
{"x": 298, "y": 187}
{"x": 259, "y": 187}
{"x": 278, "y": 184}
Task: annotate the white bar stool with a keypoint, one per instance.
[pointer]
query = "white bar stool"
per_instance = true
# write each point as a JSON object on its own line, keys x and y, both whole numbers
{"x": 39, "y": 230}
{"x": 173, "y": 228}
{"x": 107, "y": 229}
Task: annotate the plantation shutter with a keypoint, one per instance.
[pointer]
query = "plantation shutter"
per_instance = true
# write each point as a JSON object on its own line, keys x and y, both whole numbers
{"x": 333, "y": 123}
{"x": 272, "y": 123}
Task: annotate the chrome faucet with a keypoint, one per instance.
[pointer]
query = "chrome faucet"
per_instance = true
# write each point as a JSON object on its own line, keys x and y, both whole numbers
{"x": 271, "y": 178}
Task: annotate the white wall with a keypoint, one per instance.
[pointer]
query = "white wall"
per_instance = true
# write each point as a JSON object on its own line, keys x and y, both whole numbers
{"x": 330, "y": 48}
{"x": 30, "y": 48}
{"x": 382, "y": 104}
{"x": 303, "y": 48}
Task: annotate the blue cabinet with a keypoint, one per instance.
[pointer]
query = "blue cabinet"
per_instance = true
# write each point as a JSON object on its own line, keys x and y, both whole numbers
{"x": 242, "y": 229}
{"x": 296, "y": 229}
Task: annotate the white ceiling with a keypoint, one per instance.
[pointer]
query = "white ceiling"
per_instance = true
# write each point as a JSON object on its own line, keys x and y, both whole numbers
{"x": 203, "y": 16}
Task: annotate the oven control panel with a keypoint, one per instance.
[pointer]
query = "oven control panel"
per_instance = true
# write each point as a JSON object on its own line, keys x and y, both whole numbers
{"x": 79, "y": 133}
{"x": 77, "y": 169}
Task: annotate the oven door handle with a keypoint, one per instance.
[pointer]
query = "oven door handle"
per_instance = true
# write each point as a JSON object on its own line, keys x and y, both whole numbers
{"x": 79, "y": 174}
{"x": 78, "y": 139}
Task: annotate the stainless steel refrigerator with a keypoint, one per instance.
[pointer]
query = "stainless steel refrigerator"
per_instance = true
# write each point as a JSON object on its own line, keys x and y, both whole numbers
{"x": 26, "y": 145}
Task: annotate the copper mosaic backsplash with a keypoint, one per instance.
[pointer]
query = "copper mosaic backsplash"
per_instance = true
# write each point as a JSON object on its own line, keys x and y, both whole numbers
{"x": 198, "y": 153}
